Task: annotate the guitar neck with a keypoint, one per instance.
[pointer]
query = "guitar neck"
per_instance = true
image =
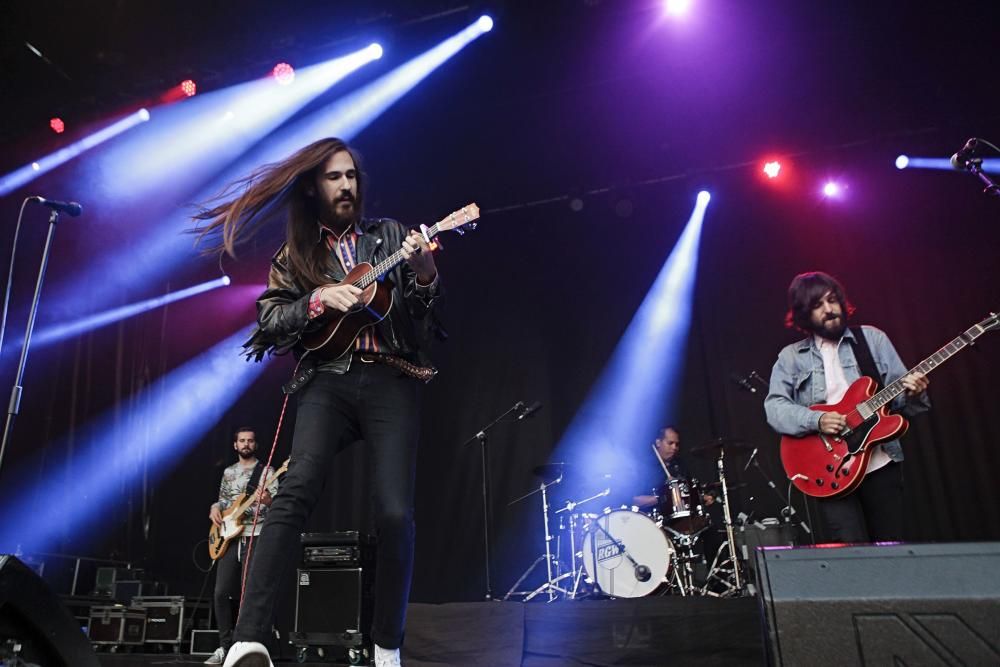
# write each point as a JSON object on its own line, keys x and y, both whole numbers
{"x": 894, "y": 389}
{"x": 390, "y": 262}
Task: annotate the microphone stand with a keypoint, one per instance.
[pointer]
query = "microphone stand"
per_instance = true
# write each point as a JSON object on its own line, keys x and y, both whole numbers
{"x": 15, "y": 395}
{"x": 787, "y": 511}
{"x": 481, "y": 437}
{"x": 975, "y": 165}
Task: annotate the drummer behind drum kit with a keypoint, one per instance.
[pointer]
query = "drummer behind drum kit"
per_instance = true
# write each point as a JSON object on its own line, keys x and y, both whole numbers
{"x": 629, "y": 553}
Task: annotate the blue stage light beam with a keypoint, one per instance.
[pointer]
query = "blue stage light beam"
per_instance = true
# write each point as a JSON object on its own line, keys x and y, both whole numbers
{"x": 145, "y": 436}
{"x": 192, "y": 140}
{"x": 991, "y": 166}
{"x": 349, "y": 115}
{"x": 165, "y": 245}
{"x": 56, "y": 333}
{"x": 636, "y": 391}
{"x": 30, "y": 172}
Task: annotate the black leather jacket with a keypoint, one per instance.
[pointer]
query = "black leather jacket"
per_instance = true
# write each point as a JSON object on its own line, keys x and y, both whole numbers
{"x": 282, "y": 310}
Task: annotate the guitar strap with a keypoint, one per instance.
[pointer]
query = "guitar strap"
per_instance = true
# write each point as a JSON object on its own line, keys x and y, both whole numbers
{"x": 863, "y": 354}
{"x": 254, "y": 479}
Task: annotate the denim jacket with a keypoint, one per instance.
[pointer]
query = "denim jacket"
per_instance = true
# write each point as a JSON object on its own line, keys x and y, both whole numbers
{"x": 798, "y": 381}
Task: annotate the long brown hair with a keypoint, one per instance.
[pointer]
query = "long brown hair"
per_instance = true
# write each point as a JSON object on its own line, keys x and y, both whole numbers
{"x": 804, "y": 294}
{"x": 278, "y": 188}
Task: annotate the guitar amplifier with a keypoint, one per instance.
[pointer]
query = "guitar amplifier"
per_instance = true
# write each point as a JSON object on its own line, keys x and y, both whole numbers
{"x": 346, "y": 548}
{"x": 334, "y": 597}
{"x": 116, "y": 625}
{"x": 104, "y": 585}
{"x": 164, "y": 618}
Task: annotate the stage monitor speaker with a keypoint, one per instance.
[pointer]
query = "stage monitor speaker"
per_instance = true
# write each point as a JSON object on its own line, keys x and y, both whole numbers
{"x": 34, "y": 619}
{"x": 899, "y": 604}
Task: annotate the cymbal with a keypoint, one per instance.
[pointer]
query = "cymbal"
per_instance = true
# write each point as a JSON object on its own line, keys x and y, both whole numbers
{"x": 710, "y": 449}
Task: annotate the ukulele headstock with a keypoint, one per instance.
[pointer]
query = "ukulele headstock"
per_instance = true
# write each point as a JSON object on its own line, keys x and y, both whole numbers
{"x": 462, "y": 220}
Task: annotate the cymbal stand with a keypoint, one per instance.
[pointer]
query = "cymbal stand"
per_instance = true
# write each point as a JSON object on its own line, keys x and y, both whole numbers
{"x": 720, "y": 570}
{"x": 683, "y": 556}
{"x": 550, "y": 583}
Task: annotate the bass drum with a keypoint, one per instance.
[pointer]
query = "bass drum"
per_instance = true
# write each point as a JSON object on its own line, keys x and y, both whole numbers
{"x": 609, "y": 542}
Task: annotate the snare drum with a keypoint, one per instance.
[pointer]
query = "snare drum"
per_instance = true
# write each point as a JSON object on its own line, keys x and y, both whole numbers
{"x": 680, "y": 506}
{"x": 626, "y": 553}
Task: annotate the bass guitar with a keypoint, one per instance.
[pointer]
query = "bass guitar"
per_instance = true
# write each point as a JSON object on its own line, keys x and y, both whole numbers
{"x": 232, "y": 526}
{"x": 339, "y": 329}
{"x": 825, "y": 466}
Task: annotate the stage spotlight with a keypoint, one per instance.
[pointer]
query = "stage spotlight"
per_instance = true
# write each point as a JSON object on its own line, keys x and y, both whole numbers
{"x": 66, "y": 330}
{"x": 188, "y": 87}
{"x": 27, "y": 173}
{"x": 902, "y": 162}
{"x": 375, "y": 50}
{"x": 57, "y": 125}
{"x": 832, "y": 189}
{"x": 283, "y": 73}
{"x": 772, "y": 169}
{"x": 676, "y": 7}
{"x": 637, "y": 389}
{"x": 485, "y": 23}
{"x": 226, "y": 280}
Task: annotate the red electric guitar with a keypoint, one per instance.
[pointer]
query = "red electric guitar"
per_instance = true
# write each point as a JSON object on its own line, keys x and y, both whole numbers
{"x": 340, "y": 329}
{"x": 825, "y": 466}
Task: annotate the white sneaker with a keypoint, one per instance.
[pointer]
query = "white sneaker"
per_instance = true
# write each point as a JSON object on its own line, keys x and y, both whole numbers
{"x": 248, "y": 654}
{"x": 217, "y": 657}
{"x": 386, "y": 657}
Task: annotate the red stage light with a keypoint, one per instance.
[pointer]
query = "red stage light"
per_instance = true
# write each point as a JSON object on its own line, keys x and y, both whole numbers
{"x": 772, "y": 168}
{"x": 57, "y": 125}
{"x": 283, "y": 73}
{"x": 188, "y": 87}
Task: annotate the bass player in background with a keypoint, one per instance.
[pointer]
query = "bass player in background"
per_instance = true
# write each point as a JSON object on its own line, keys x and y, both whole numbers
{"x": 818, "y": 370}
{"x": 241, "y": 477}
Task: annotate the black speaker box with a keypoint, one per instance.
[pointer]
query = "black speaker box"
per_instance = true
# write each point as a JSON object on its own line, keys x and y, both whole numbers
{"x": 900, "y": 604}
{"x": 32, "y": 616}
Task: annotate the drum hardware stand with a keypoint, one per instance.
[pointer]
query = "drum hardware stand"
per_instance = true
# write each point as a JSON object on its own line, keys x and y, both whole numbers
{"x": 487, "y": 518}
{"x": 683, "y": 557}
{"x": 575, "y": 569}
{"x": 550, "y": 584}
{"x": 732, "y": 581}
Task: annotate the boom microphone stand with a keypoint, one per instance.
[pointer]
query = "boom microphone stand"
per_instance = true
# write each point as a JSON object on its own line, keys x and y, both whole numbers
{"x": 15, "y": 395}
{"x": 481, "y": 437}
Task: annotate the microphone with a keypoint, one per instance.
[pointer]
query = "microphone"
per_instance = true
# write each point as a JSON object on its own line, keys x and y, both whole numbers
{"x": 530, "y": 410}
{"x": 69, "y": 208}
{"x": 753, "y": 455}
{"x": 961, "y": 159}
{"x": 642, "y": 573}
{"x": 743, "y": 382}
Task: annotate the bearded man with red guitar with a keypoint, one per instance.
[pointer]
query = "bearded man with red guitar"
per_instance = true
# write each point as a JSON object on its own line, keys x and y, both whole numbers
{"x": 859, "y": 489}
{"x": 352, "y": 298}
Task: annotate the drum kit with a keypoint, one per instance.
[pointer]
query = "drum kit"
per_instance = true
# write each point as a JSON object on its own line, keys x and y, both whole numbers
{"x": 631, "y": 552}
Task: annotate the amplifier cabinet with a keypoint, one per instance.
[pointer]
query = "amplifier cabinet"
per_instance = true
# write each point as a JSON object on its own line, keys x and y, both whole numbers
{"x": 164, "y": 618}
{"x": 333, "y": 606}
{"x": 116, "y": 625}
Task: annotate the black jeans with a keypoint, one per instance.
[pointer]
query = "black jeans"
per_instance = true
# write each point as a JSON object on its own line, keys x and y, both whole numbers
{"x": 371, "y": 402}
{"x": 872, "y": 513}
{"x": 228, "y": 582}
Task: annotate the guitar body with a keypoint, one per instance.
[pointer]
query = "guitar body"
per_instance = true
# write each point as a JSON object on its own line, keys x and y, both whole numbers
{"x": 219, "y": 537}
{"x": 339, "y": 330}
{"x": 825, "y": 466}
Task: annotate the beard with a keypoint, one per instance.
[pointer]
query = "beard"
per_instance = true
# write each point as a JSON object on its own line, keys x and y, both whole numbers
{"x": 832, "y": 328}
{"x": 344, "y": 217}
{"x": 246, "y": 453}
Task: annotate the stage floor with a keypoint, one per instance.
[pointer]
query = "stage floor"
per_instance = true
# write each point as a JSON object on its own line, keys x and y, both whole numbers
{"x": 644, "y": 632}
